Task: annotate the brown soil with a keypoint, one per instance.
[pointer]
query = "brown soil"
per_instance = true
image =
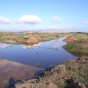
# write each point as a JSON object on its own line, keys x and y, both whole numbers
{"x": 71, "y": 74}
{"x": 71, "y": 39}
{"x": 16, "y": 70}
{"x": 33, "y": 39}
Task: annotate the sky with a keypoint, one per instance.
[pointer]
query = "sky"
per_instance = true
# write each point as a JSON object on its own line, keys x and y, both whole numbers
{"x": 27, "y": 15}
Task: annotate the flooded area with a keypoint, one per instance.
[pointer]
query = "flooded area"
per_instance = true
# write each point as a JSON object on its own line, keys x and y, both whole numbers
{"x": 43, "y": 54}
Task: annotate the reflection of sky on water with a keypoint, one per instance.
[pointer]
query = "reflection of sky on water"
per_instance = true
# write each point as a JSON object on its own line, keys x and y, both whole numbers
{"x": 31, "y": 46}
{"x": 5, "y": 45}
{"x": 43, "y": 54}
{"x": 53, "y": 44}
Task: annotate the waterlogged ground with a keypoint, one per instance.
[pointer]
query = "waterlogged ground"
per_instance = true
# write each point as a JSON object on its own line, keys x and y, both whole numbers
{"x": 43, "y": 54}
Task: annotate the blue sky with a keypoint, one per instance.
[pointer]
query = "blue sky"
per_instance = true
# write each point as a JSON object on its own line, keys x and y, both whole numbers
{"x": 24, "y": 15}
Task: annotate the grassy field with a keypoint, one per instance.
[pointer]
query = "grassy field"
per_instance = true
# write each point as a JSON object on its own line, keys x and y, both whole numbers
{"x": 28, "y": 38}
{"x": 77, "y": 44}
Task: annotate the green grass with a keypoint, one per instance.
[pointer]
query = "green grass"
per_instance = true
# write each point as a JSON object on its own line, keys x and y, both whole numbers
{"x": 79, "y": 46}
{"x": 62, "y": 84}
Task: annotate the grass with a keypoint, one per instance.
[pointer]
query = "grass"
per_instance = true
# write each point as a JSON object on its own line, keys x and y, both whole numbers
{"x": 78, "y": 70}
{"x": 28, "y": 38}
{"x": 77, "y": 44}
{"x": 62, "y": 84}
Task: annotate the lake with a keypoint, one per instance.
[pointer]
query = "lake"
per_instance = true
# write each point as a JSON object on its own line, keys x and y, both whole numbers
{"x": 43, "y": 54}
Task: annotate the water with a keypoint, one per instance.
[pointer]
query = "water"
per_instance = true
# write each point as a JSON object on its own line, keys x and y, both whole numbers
{"x": 43, "y": 54}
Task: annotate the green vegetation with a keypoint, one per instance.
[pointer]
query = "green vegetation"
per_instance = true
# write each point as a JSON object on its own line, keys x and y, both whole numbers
{"x": 12, "y": 37}
{"x": 78, "y": 69}
{"x": 62, "y": 84}
{"x": 28, "y": 37}
{"x": 48, "y": 36}
{"x": 77, "y": 44}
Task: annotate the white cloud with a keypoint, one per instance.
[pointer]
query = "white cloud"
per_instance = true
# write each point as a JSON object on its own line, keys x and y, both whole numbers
{"x": 4, "y": 20}
{"x": 30, "y": 19}
{"x": 85, "y": 22}
{"x": 56, "y": 19}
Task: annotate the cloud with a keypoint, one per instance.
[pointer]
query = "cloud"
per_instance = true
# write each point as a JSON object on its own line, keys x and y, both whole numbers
{"x": 85, "y": 22}
{"x": 4, "y": 20}
{"x": 56, "y": 19}
{"x": 30, "y": 19}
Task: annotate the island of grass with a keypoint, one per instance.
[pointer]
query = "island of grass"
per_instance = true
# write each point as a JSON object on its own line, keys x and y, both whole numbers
{"x": 77, "y": 44}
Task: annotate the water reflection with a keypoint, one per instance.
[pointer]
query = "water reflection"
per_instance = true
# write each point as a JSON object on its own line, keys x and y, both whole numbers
{"x": 5, "y": 45}
{"x": 42, "y": 54}
{"x": 79, "y": 54}
{"x": 31, "y": 46}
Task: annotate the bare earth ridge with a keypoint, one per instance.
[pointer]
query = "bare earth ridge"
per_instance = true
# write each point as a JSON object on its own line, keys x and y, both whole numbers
{"x": 71, "y": 74}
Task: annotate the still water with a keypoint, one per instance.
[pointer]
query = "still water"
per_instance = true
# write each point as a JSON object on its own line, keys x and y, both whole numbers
{"x": 43, "y": 54}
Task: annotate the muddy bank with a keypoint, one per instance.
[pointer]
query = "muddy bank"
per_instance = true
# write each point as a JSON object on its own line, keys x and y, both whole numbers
{"x": 16, "y": 70}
